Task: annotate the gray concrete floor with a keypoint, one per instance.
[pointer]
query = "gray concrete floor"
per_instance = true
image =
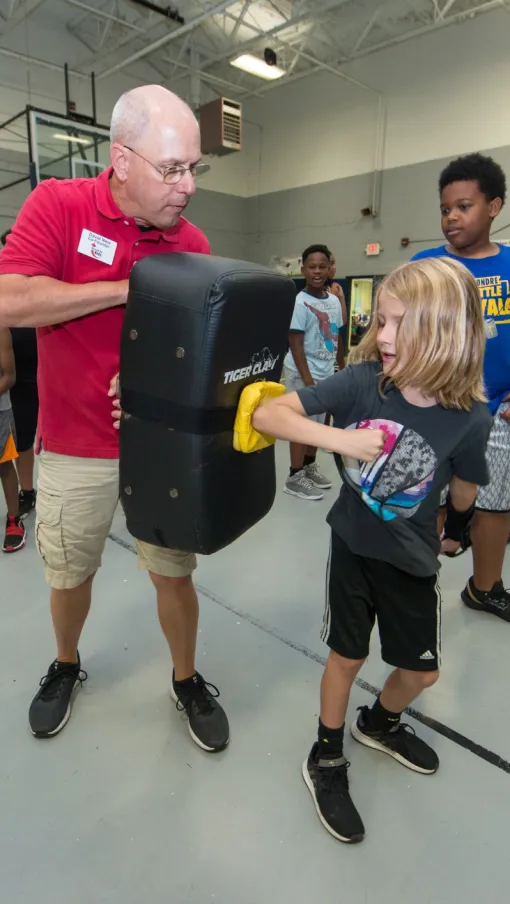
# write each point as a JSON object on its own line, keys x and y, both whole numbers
{"x": 122, "y": 807}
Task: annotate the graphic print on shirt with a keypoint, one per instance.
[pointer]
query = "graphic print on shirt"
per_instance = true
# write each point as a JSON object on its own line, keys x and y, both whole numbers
{"x": 495, "y": 296}
{"x": 329, "y": 331}
{"x": 400, "y": 479}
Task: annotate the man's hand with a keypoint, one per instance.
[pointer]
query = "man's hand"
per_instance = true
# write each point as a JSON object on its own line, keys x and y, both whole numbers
{"x": 366, "y": 445}
{"x": 505, "y": 415}
{"x": 113, "y": 393}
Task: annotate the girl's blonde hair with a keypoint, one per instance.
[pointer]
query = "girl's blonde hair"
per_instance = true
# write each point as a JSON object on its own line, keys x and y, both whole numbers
{"x": 442, "y": 331}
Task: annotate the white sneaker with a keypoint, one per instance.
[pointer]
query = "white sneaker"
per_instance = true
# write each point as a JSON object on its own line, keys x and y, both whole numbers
{"x": 317, "y": 477}
{"x": 301, "y": 486}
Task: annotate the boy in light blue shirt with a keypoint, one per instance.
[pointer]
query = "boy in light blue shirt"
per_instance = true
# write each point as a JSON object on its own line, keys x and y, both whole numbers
{"x": 315, "y": 350}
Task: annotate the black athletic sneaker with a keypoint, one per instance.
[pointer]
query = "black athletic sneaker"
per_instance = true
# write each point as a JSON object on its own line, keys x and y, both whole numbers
{"x": 208, "y": 723}
{"x": 26, "y": 502}
{"x": 328, "y": 783}
{"x": 495, "y": 601}
{"x": 15, "y": 536}
{"x": 50, "y": 709}
{"x": 401, "y": 743}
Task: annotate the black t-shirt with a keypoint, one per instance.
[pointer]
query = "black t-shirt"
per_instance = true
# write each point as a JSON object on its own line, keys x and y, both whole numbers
{"x": 24, "y": 343}
{"x": 387, "y": 509}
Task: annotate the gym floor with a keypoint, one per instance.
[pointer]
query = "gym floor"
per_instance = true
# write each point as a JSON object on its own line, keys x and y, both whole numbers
{"x": 122, "y": 807}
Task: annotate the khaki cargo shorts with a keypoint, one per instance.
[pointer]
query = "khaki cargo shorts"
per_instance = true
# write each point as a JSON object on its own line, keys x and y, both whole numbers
{"x": 76, "y": 502}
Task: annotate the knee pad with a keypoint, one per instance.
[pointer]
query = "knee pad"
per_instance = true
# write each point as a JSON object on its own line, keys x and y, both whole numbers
{"x": 197, "y": 330}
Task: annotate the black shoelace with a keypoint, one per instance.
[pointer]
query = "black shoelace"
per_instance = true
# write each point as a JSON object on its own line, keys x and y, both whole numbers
{"x": 199, "y": 694}
{"x": 334, "y": 779}
{"x": 399, "y": 738}
{"x": 51, "y": 682}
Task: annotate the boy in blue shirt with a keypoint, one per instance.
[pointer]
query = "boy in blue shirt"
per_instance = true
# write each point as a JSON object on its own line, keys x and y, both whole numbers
{"x": 315, "y": 349}
{"x": 473, "y": 191}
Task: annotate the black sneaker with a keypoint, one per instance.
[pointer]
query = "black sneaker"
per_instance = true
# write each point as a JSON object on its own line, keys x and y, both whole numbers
{"x": 208, "y": 723}
{"x": 401, "y": 743}
{"x": 15, "y": 536}
{"x": 328, "y": 783}
{"x": 26, "y": 502}
{"x": 50, "y": 709}
{"x": 495, "y": 601}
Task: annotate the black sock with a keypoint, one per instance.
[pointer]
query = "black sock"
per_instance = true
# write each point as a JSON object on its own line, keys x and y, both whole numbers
{"x": 476, "y": 590}
{"x": 331, "y": 742}
{"x": 186, "y": 683}
{"x": 295, "y": 471}
{"x": 28, "y": 493}
{"x": 380, "y": 719}
{"x": 309, "y": 460}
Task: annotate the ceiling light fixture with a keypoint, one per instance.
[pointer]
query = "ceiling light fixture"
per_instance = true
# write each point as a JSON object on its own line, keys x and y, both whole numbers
{"x": 74, "y": 138}
{"x": 255, "y": 66}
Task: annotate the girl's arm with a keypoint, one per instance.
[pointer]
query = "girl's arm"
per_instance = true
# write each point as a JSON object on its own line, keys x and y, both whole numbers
{"x": 459, "y": 514}
{"x": 462, "y": 494}
{"x": 285, "y": 418}
{"x": 7, "y": 365}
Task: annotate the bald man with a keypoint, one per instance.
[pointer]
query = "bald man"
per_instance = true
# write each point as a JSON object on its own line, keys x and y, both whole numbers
{"x": 65, "y": 270}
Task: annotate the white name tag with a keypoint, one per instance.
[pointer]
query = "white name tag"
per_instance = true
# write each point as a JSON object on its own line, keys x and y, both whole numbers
{"x": 97, "y": 247}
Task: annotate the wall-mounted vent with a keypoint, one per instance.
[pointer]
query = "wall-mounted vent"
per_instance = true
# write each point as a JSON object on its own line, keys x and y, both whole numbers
{"x": 221, "y": 127}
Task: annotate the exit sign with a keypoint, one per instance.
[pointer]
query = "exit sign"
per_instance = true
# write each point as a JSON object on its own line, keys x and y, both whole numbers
{"x": 373, "y": 248}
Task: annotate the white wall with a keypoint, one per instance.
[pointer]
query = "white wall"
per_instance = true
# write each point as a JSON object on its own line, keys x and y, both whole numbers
{"x": 446, "y": 94}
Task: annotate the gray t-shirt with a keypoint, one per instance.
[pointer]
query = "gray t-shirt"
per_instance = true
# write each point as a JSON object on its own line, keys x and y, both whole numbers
{"x": 387, "y": 509}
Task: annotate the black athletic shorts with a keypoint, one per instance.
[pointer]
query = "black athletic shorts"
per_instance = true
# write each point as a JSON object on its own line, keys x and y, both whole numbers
{"x": 407, "y": 608}
{"x": 25, "y": 407}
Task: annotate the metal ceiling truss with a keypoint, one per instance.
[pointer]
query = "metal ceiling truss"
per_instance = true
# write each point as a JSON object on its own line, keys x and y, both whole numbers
{"x": 308, "y": 35}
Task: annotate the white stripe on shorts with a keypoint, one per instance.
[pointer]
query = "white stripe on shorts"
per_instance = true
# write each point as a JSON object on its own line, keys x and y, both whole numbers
{"x": 326, "y": 622}
{"x": 438, "y": 623}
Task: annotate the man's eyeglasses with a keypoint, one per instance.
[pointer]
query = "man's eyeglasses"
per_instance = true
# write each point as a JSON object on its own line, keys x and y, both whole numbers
{"x": 171, "y": 175}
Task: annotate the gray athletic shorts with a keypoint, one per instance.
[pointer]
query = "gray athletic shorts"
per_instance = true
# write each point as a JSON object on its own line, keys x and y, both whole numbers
{"x": 293, "y": 383}
{"x": 496, "y": 496}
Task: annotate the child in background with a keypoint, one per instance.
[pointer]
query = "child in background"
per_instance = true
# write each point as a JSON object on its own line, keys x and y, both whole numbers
{"x": 314, "y": 350}
{"x": 472, "y": 193}
{"x": 415, "y": 392}
{"x": 15, "y": 533}
{"x": 335, "y": 288}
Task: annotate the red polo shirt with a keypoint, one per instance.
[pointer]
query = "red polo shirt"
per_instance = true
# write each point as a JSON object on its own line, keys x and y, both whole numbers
{"x": 77, "y": 359}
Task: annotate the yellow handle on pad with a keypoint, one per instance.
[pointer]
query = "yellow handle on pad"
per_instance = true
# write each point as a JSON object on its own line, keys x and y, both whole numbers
{"x": 246, "y": 438}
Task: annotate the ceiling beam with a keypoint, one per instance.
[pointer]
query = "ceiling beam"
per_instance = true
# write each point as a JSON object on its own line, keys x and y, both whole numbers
{"x": 26, "y": 10}
{"x": 366, "y": 31}
{"x": 166, "y": 39}
{"x": 299, "y": 19}
{"x": 446, "y": 8}
{"x": 240, "y": 20}
{"x": 101, "y": 14}
{"x": 455, "y": 19}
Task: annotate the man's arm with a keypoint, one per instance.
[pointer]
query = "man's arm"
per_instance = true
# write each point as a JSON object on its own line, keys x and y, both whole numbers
{"x": 297, "y": 347}
{"x": 31, "y": 266}
{"x": 44, "y": 301}
{"x": 7, "y": 365}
